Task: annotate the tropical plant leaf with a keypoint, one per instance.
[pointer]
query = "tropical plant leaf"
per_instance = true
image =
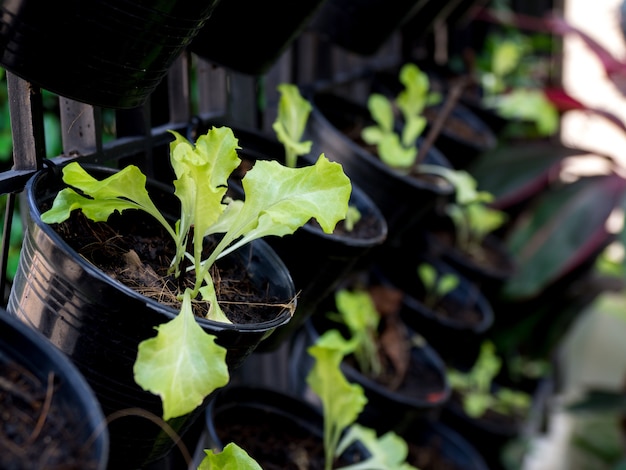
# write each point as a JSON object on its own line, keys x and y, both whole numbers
{"x": 564, "y": 228}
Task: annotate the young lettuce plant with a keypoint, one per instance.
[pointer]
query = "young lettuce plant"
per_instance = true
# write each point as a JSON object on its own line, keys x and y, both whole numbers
{"x": 291, "y": 120}
{"x": 472, "y": 217}
{"x": 478, "y": 395}
{"x": 399, "y": 150}
{"x": 356, "y": 310}
{"x": 290, "y": 124}
{"x": 342, "y": 402}
{"x": 436, "y": 286}
{"x": 182, "y": 363}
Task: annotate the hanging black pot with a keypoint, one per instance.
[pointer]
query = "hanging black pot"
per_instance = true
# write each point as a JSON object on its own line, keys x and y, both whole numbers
{"x": 248, "y": 36}
{"x": 99, "y": 322}
{"x": 489, "y": 273}
{"x": 317, "y": 261}
{"x": 110, "y": 53}
{"x": 74, "y": 432}
{"x": 406, "y": 201}
{"x": 456, "y": 324}
{"x": 433, "y": 445}
{"x": 277, "y": 429}
{"x": 419, "y": 396}
{"x": 362, "y": 26}
{"x": 489, "y": 436}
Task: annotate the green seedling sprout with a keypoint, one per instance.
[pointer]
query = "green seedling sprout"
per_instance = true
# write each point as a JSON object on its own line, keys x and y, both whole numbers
{"x": 476, "y": 388}
{"x": 352, "y": 218}
{"x": 472, "y": 217}
{"x": 291, "y": 120}
{"x": 182, "y": 363}
{"x": 342, "y": 402}
{"x": 436, "y": 286}
{"x": 356, "y": 310}
{"x": 399, "y": 150}
{"x": 290, "y": 123}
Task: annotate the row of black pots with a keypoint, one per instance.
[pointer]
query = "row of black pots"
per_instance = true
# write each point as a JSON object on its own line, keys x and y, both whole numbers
{"x": 126, "y": 48}
{"x": 98, "y": 322}
{"x": 87, "y": 314}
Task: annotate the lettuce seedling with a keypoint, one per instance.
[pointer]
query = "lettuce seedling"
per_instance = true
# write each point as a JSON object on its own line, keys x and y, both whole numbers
{"x": 278, "y": 201}
{"x": 472, "y": 217}
{"x": 436, "y": 286}
{"x": 476, "y": 389}
{"x": 356, "y": 310}
{"x": 291, "y": 119}
{"x": 342, "y": 402}
{"x": 399, "y": 149}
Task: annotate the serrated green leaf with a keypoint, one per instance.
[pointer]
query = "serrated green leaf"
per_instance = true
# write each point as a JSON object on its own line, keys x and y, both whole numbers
{"x": 232, "y": 457}
{"x": 182, "y": 364}
{"x": 321, "y": 191}
{"x": 387, "y": 452}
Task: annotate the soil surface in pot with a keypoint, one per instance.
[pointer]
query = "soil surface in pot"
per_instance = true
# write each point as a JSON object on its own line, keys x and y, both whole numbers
{"x": 36, "y": 432}
{"x": 400, "y": 374}
{"x": 492, "y": 257}
{"x": 136, "y": 250}
{"x": 491, "y": 419}
{"x": 279, "y": 443}
{"x": 431, "y": 456}
{"x": 457, "y": 127}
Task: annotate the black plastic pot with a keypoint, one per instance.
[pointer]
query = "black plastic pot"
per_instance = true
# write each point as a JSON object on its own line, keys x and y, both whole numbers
{"x": 489, "y": 277}
{"x": 110, "y": 53}
{"x": 362, "y": 26}
{"x": 464, "y": 136}
{"x": 489, "y": 438}
{"x": 433, "y": 445}
{"x": 276, "y": 429}
{"x": 317, "y": 261}
{"x": 248, "y": 36}
{"x": 386, "y": 409}
{"x": 405, "y": 201}
{"x": 99, "y": 322}
{"x": 457, "y": 335}
{"x": 74, "y": 420}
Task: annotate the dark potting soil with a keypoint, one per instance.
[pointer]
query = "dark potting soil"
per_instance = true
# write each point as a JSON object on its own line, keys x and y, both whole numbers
{"x": 400, "y": 373}
{"x": 277, "y": 443}
{"x": 36, "y": 431}
{"x": 134, "y": 249}
{"x": 431, "y": 456}
{"x": 459, "y": 313}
